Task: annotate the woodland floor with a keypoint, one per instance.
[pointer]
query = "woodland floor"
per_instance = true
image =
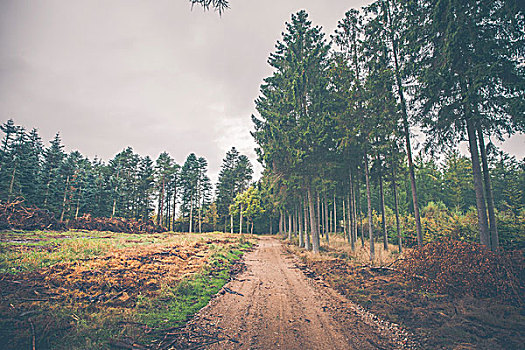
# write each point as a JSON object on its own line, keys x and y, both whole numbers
{"x": 437, "y": 321}
{"x": 87, "y": 290}
{"x": 101, "y": 290}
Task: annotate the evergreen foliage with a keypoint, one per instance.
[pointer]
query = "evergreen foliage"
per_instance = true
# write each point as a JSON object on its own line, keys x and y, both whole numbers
{"x": 334, "y": 124}
{"x": 70, "y": 185}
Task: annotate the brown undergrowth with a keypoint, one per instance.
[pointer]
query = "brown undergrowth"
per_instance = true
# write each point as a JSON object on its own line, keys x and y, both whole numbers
{"x": 82, "y": 301}
{"x": 441, "y": 319}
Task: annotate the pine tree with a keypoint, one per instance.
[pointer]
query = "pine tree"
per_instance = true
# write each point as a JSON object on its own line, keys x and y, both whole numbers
{"x": 234, "y": 176}
{"x": 472, "y": 79}
{"x": 52, "y": 181}
{"x": 293, "y": 132}
{"x": 145, "y": 175}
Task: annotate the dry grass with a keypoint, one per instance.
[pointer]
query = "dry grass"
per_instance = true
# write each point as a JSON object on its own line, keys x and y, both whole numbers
{"x": 79, "y": 289}
{"x": 340, "y": 248}
{"x": 440, "y": 321}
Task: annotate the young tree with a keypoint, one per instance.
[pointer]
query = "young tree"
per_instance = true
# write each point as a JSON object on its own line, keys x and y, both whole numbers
{"x": 234, "y": 177}
{"x": 51, "y": 179}
{"x": 163, "y": 170}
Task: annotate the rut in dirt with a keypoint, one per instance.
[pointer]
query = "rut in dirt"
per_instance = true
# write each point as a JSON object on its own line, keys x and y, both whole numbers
{"x": 273, "y": 305}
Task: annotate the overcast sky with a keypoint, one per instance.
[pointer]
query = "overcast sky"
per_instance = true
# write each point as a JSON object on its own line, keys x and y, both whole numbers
{"x": 151, "y": 74}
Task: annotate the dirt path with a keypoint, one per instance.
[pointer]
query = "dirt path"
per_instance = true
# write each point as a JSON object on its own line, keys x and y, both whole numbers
{"x": 273, "y": 305}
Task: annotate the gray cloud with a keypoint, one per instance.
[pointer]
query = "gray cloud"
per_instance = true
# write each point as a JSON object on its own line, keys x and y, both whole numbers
{"x": 153, "y": 75}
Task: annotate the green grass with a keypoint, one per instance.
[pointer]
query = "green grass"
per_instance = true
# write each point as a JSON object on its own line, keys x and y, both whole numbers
{"x": 176, "y": 304}
{"x": 23, "y": 251}
{"x": 173, "y": 307}
{"x": 76, "y": 325}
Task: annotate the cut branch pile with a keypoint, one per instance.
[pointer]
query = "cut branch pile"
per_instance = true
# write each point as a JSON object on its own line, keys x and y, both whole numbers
{"x": 87, "y": 222}
{"x": 464, "y": 268}
{"x": 15, "y": 216}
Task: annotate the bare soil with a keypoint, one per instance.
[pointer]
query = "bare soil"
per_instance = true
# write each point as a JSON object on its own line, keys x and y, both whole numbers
{"x": 274, "y": 305}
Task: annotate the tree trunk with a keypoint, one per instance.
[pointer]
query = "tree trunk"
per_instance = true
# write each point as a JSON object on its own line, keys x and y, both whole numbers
{"x": 358, "y": 208}
{"x": 301, "y": 227}
{"x": 353, "y": 213}
{"x": 167, "y": 217}
{"x": 281, "y": 231}
{"x": 494, "y": 237}
{"x": 161, "y": 205}
{"x": 46, "y": 194}
{"x": 200, "y": 217}
{"x": 190, "y": 228}
{"x": 12, "y": 183}
{"x": 78, "y": 203}
{"x": 251, "y": 229}
{"x": 319, "y": 216}
{"x": 333, "y": 228}
{"x": 326, "y": 217}
{"x": 330, "y": 217}
{"x": 345, "y": 231}
{"x": 350, "y": 220}
{"x": 414, "y": 190}
{"x": 329, "y": 231}
{"x": 313, "y": 223}
{"x": 240, "y": 220}
{"x": 289, "y": 227}
{"x": 307, "y": 244}
{"x": 396, "y": 205}
{"x": 406, "y": 132}
{"x": 335, "y": 214}
{"x": 231, "y": 223}
{"x": 173, "y": 212}
{"x": 369, "y": 202}
{"x": 64, "y": 200}
{"x": 294, "y": 222}
{"x": 478, "y": 185}
{"x": 382, "y": 203}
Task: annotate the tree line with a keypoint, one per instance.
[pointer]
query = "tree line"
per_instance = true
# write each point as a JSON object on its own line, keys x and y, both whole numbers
{"x": 177, "y": 197}
{"x": 338, "y": 116}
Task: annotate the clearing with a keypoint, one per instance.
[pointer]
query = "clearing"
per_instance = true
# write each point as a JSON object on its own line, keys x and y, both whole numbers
{"x": 92, "y": 290}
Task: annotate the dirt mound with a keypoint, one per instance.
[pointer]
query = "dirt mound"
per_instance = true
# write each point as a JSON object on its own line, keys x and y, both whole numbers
{"x": 464, "y": 268}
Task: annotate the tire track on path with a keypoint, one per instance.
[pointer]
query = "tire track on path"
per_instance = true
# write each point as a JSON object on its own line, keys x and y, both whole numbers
{"x": 281, "y": 308}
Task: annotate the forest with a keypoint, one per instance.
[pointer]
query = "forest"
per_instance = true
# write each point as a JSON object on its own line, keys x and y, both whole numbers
{"x": 386, "y": 215}
{"x": 69, "y": 185}
{"x": 337, "y": 123}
